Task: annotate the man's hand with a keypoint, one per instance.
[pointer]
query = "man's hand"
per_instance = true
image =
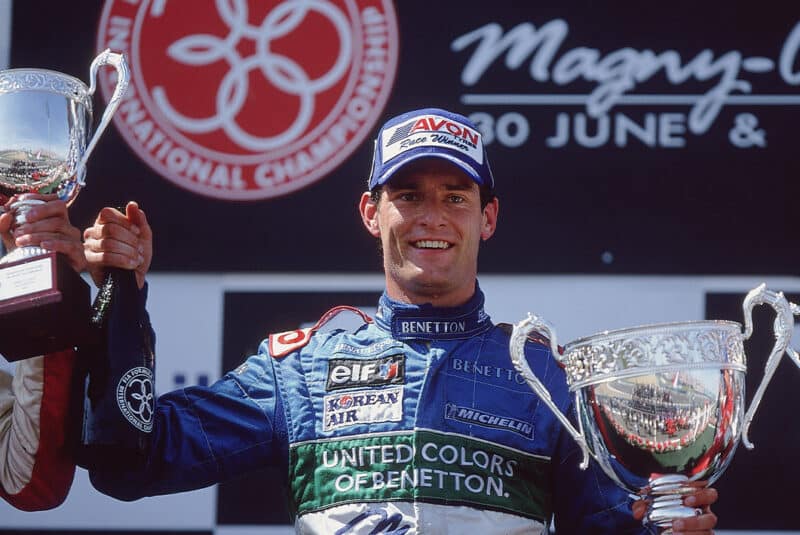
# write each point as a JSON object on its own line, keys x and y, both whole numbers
{"x": 46, "y": 225}
{"x": 119, "y": 240}
{"x": 701, "y": 499}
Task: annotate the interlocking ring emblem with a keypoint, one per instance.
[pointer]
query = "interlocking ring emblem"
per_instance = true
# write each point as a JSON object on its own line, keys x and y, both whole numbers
{"x": 250, "y": 99}
{"x": 135, "y": 397}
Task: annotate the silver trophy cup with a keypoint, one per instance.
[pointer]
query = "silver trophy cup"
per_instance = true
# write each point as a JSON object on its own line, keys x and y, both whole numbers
{"x": 45, "y": 142}
{"x": 661, "y": 406}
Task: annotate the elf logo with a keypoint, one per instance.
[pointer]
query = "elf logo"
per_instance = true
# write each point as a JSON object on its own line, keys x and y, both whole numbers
{"x": 353, "y": 373}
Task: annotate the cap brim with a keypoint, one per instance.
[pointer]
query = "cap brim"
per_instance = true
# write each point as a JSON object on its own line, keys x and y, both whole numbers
{"x": 391, "y": 171}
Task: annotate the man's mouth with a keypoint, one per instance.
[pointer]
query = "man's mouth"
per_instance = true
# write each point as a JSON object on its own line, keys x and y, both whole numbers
{"x": 431, "y": 244}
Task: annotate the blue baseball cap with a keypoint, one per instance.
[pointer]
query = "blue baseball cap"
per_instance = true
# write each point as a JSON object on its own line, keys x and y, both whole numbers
{"x": 429, "y": 133}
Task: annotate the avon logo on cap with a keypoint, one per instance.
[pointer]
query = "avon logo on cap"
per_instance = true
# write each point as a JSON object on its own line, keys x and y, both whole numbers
{"x": 431, "y": 131}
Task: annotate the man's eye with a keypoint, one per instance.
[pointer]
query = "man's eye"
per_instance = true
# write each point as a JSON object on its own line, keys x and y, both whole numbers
{"x": 456, "y": 198}
{"x": 408, "y": 196}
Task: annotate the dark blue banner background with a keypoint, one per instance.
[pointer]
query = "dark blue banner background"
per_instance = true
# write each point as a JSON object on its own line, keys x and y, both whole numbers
{"x": 711, "y": 205}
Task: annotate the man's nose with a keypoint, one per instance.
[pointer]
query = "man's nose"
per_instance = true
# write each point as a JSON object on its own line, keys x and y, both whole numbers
{"x": 431, "y": 212}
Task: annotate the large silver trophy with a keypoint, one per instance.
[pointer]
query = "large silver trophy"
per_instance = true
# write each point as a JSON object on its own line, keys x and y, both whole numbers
{"x": 661, "y": 406}
{"x": 45, "y": 127}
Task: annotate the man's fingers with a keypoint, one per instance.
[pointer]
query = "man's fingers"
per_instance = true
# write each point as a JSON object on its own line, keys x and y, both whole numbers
{"x": 122, "y": 240}
{"x": 112, "y": 215}
{"x": 138, "y": 218}
{"x": 46, "y": 225}
{"x": 132, "y": 210}
{"x": 111, "y": 245}
{"x": 701, "y": 497}
{"x": 47, "y": 219}
{"x": 124, "y": 254}
{"x": 111, "y": 259}
{"x": 5, "y": 230}
{"x": 52, "y": 225}
{"x": 113, "y": 232}
{"x": 36, "y": 238}
{"x": 639, "y": 508}
{"x": 72, "y": 250}
{"x": 52, "y": 210}
{"x": 699, "y": 524}
{"x": 6, "y": 219}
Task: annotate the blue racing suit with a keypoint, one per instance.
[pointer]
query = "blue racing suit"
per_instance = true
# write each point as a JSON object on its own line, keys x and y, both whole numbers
{"x": 414, "y": 422}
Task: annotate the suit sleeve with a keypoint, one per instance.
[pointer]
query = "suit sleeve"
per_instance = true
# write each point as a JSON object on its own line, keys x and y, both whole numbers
{"x": 36, "y": 463}
{"x": 205, "y": 435}
{"x": 587, "y": 502}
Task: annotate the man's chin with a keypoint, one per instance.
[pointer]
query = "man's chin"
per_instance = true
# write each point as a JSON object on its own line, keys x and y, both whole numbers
{"x": 432, "y": 287}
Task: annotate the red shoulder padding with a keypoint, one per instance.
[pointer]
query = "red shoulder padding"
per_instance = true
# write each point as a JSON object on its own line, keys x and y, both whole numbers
{"x": 281, "y": 344}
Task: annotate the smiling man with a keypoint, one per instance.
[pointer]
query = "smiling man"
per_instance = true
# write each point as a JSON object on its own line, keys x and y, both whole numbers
{"x": 430, "y": 220}
{"x": 416, "y": 421}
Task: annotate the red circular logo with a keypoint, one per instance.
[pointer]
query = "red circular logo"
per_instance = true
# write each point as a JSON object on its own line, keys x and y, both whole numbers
{"x": 249, "y": 99}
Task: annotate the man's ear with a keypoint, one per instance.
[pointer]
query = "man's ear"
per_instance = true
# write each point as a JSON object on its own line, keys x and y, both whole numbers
{"x": 490, "y": 219}
{"x": 369, "y": 214}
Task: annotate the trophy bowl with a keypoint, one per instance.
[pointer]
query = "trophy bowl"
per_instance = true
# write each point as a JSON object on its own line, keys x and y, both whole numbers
{"x": 45, "y": 118}
{"x": 45, "y": 141}
{"x": 661, "y": 406}
{"x": 660, "y": 400}
{"x": 45, "y": 126}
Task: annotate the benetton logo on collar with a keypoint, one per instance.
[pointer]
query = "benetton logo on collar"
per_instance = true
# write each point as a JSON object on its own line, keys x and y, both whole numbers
{"x": 407, "y": 328}
{"x": 419, "y": 326}
{"x": 418, "y": 322}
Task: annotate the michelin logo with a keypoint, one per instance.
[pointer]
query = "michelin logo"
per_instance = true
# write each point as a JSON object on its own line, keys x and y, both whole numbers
{"x": 468, "y": 415}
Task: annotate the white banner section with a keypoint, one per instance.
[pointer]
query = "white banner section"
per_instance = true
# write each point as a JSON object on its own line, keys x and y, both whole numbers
{"x": 187, "y": 313}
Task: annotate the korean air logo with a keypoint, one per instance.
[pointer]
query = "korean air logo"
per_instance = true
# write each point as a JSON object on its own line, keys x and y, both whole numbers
{"x": 358, "y": 373}
{"x": 344, "y": 402}
{"x": 362, "y": 407}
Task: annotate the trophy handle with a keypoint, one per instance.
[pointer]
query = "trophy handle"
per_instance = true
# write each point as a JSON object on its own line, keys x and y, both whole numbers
{"x": 784, "y": 323}
{"x": 517, "y": 346}
{"x": 106, "y": 57}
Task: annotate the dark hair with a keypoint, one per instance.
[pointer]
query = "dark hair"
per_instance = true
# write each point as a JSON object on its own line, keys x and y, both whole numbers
{"x": 487, "y": 194}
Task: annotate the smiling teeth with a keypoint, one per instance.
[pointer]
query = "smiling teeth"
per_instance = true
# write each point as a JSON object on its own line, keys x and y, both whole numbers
{"x": 432, "y": 244}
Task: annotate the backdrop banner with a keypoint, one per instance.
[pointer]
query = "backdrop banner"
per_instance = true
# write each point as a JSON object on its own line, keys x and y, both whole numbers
{"x": 626, "y": 140}
{"x": 645, "y": 159}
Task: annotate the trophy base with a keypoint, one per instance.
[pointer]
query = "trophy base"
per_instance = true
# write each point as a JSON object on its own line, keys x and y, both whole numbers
{"x": 44, "y": 307}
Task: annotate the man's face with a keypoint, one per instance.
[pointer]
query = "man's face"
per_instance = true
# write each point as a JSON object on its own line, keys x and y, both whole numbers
{"x": 430, "y": 225}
